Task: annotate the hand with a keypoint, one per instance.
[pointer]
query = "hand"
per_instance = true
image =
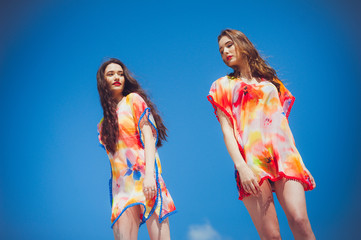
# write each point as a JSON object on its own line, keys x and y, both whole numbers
{"x": 313, "y": 182}
{"x": 149, "y": 187}
{"x": 249, "y": 181}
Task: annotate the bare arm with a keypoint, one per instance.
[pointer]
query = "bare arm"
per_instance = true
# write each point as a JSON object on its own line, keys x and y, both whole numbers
{"x": 247, "y": 177}
{"x": 149, "y": 185}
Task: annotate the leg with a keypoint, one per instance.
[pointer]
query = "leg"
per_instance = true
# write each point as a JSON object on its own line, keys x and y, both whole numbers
{"x": 156, "y": 230}
{"x": 126, "y": 228}
{"x": 291, "y": 196}
{"x": 263, "y": 212}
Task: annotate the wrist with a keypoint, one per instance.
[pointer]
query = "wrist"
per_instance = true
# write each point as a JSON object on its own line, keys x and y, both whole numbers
{"x": 149, "y": 173}
{"x": 240, "y": 166}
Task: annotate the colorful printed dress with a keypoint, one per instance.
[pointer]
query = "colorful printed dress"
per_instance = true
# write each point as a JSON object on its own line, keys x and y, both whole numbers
{"x": 128, "y": 164}
{"x": 259, "y": 114}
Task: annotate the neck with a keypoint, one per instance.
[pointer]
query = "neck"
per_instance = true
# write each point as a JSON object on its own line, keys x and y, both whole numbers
{"x": 118, "y": 97}
{"x": 243, "y": 71}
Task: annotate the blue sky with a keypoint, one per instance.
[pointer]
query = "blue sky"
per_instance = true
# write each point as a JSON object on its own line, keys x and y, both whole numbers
{"x": 54, "y": 175}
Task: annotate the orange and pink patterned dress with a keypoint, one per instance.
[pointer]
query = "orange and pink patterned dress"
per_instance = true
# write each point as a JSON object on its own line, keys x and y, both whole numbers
{"x": 259, "y": 114}
{"x": 128, "y": 164}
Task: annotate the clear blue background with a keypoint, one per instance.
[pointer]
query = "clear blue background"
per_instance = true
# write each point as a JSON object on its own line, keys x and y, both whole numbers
{"x": 54, "y": 175}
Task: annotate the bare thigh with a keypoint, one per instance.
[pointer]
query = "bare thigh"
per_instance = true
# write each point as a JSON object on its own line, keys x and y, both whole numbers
{"x": 263, "y": 213}
{"x": 156, "y": 230}
{"x": 291, "y": 196}
{"x": 127, "y": 226}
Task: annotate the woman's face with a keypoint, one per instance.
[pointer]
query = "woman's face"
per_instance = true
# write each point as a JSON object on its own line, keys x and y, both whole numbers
{"x": 114, "y": 76}
{"x": 229, "y": 53}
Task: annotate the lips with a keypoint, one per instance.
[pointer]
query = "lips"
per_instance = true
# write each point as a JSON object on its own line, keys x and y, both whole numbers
{"x": 117, "y": 84}
{"x": 229, "y": 57}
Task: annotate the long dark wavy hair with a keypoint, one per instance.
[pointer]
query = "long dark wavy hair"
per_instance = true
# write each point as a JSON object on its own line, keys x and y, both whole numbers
{"x": 110, "y": 128}
{"x": 258, "y": 66}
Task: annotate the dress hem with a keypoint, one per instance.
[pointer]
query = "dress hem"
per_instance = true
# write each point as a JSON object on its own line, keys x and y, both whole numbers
{"x": 160, "y": 219}
{"x": 242, "y": 194}
{"x": 159, "y": 195}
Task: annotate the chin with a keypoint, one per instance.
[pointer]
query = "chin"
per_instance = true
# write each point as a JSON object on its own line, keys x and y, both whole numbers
{"x": 231, "y": 65}
{"x": 227, "y": 63}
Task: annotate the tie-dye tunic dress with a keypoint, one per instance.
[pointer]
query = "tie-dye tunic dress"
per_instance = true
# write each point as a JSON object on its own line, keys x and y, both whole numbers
{"x": 259, "y": 115}
{"x": 128, "y": 164}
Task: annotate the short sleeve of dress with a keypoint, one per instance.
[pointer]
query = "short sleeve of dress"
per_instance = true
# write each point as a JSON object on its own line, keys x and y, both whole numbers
{"x": 286, "y": 98}
{"x": 99, "y": 127}
{"x": 220, "y": 96}
{"x": 142, "y": 115}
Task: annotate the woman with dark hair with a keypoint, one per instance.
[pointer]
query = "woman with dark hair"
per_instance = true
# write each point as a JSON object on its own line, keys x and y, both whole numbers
{"x": 130, "y": 131}
{"x": 252, "y": 106}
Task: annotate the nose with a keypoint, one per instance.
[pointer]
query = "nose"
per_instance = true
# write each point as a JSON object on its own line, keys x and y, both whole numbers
{"x": 116, "y": 76}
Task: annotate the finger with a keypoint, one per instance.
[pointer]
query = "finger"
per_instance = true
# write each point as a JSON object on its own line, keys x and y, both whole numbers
{"x": 245, "y": 188}
{"x": 154, "y": 192}
{"x": 150, "y": 194}
{"x": 253, "y": 189}
{"x": 248, "y": 188}
{"x": 147, "y": 193}
{"x": 313, "y": 182}
{"x": 144, "y": 189}
{"x": 256, "y": 185}
{"x": 144, "y": 192}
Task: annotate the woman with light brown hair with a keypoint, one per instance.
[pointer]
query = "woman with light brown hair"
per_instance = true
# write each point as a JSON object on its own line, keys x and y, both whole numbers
{"x": 252, "y": 106}
{"x": 130, "y": 131}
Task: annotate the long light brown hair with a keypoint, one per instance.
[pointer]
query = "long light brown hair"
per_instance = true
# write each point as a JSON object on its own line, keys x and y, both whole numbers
{"x": 110, "y": 128}
{"x": 258, "y": 66}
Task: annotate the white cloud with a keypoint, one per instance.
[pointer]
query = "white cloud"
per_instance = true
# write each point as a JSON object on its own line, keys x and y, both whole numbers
{"x": 203, "y": 232}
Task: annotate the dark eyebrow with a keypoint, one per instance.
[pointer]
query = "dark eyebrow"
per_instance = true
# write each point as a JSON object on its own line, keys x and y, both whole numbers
{"x": 111, "y": 71}
{"x": 230, "y": 41}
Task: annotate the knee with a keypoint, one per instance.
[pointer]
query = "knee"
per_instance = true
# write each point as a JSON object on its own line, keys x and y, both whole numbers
{"x": 271, "y": 235}
{"x": 121, "y": 234}
{"x": 118, "y": 235}
{"x": 300, "y": 222}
